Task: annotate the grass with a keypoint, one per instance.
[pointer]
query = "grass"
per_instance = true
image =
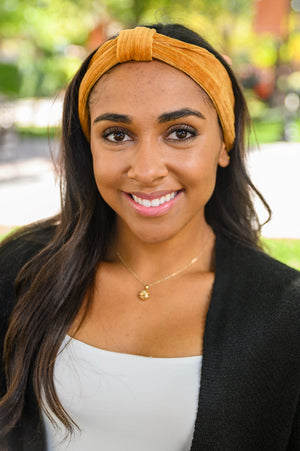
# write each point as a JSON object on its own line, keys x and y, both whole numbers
{"x": 5, "y": 231}
{"x": 285, "y": 250}
{"x": 37, "y": 132}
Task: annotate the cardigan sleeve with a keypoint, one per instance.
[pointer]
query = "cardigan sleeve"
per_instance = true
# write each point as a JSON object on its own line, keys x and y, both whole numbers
{"x": 250, "y": 379}
{"x": 294, "y": 441}
{"x": 14, "y": 254}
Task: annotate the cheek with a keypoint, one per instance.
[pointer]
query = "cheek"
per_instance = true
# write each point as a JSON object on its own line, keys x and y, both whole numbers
{"x": 200, "y": 178}
{"x": 201, "y": 168}
{"x": 106, "y": 174}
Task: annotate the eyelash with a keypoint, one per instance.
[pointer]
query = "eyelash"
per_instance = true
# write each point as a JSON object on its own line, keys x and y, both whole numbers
{"x": 114, "y": 130}
{"x": 174, "y": 129}
{"x": 185, "y": 128}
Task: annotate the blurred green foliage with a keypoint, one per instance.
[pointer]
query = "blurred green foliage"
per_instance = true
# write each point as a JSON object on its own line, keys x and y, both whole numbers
{"x": 38, "y": 41}
{"x": 10, "y": 79}
{"x": 43, "y": 42}
{"x": 147, "y": 11}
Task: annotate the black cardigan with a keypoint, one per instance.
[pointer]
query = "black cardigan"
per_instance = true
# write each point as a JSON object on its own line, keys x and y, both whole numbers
{"x": 250, "y": 381}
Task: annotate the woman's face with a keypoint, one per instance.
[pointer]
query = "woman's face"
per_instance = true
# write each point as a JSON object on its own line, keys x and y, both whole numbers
{"x": 156, "y": 145}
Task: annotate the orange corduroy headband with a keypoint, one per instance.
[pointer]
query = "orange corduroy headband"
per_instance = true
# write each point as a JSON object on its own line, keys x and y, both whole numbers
{"x": 145, "y": 44}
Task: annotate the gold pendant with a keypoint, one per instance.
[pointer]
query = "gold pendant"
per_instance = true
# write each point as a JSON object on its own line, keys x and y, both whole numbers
{"x": 144, "y": 294}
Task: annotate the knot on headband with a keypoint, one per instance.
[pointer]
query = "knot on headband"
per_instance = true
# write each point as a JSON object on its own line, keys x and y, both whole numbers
{"x": 145, "y": 44}
{"x": 135, "y": 45}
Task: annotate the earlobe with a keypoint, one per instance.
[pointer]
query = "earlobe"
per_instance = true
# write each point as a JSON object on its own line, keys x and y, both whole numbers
{"x": 224, "y": 158}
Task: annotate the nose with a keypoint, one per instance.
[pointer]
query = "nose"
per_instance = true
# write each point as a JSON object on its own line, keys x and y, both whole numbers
{"x": 147, "y": 165}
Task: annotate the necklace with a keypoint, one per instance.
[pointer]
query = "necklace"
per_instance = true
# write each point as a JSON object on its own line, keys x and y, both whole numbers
{"x": 144, "y": 294}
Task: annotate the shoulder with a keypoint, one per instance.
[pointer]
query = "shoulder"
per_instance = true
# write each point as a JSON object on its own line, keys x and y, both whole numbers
{"x": 255, "y": 267}
{"x": 15, "y": 252}
{"x": 258, "y": 282}
{"x": 19, "y": 248}
{"x": 257, "y": 301}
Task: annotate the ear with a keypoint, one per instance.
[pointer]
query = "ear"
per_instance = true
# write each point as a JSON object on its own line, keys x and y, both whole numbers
{"x": 224, "y": 158}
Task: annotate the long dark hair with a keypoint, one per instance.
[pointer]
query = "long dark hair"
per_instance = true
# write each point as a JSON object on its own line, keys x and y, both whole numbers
{"x": 51, "y": 287}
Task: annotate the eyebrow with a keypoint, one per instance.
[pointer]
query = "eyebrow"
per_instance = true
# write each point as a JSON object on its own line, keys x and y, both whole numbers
{"x": 165, "y": 117}
{"x": 114, "y": 117}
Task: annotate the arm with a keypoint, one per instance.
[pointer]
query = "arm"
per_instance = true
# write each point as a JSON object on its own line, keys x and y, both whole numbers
{"x": 294, "y": 440}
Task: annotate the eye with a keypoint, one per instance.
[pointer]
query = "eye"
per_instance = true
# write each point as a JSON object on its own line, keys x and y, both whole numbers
{"x": 116, "y": 135}
{"x": 181, "y": 133}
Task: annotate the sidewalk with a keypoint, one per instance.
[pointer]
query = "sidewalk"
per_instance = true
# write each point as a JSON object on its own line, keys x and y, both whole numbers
{"x": 28, "y": 188}
{"x": 274, "y": 170}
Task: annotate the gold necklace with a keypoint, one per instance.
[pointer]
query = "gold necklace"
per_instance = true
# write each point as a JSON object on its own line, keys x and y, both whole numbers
{"x": 144, "y": 294}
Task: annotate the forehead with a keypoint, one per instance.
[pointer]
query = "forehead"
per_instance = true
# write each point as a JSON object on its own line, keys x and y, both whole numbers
{"x": 139, "y": 79}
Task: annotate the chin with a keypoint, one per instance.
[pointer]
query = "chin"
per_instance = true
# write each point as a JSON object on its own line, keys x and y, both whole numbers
{"x": 157, "y": 236}
{"x": 152, "y": 238}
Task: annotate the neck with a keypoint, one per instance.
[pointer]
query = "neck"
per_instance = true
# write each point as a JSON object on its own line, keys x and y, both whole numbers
{"x": 156, "y": 259}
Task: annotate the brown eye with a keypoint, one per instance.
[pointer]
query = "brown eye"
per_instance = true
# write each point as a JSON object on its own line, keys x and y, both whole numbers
{"x": 182, "y": 133}
{"x": 116, "y": 136}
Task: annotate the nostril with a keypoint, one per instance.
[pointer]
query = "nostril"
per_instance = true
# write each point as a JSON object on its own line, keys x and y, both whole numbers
{"x": 147, "y": 173}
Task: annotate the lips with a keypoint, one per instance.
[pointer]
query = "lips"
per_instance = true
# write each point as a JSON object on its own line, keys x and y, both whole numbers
{"x": 154, "y": 202}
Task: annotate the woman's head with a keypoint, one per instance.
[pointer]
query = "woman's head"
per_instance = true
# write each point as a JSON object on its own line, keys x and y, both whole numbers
{"x": 156, "y": 144}
{"x": 229, "y": 209}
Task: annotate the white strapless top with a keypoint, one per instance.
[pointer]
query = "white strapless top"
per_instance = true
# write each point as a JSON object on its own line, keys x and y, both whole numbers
{"x": 124, "y": 402}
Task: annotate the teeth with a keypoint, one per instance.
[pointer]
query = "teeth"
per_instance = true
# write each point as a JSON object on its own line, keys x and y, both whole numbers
{"x": 154, "y": 202}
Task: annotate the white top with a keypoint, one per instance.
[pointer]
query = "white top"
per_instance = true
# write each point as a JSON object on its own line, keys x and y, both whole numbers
{"x": 124, "y": 402}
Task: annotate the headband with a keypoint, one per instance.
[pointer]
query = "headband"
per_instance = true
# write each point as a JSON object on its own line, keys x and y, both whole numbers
{"x": 145, "y": 44}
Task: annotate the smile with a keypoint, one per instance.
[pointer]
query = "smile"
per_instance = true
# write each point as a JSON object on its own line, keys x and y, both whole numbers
{"x": 156, "y": 202}
{"x": 150, "y": 205}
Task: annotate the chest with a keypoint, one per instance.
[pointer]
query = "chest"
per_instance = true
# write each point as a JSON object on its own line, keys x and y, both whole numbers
{"x": 170, "y": 323}
{"x": 122, "y": 401}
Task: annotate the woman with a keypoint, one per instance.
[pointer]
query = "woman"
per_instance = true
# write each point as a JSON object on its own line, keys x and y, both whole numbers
{"x": 145, "y": 316}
